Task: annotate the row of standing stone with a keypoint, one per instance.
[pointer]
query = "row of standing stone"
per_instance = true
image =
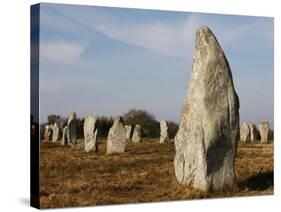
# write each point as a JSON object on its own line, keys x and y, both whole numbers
{"x": 249, "y": 132}
{"x": 52, "y": 132}
{"x": 118, "y": 134}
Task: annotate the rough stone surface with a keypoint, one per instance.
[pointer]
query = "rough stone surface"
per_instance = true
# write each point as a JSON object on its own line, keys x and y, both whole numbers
{"x": 207, "y": 138}
{"x": 164, "y": 135}
{"x": 90, "y": 133}
{"x": 128, "y": 131}
{"x": 65, "y": 136}
{"x": 136, "y": 138}
{"x": 72, "y": 127}
{"x": 56, "y": 131}
{"x": 271, "y": 135}
{"x": 264, "y": 131}
{"x": 245, "y": 135}
{"x": 253, "y": 132}
{"x": 46, "y": 133}
{"x": 116, "y": 140}
{"x": 50, "y": 132}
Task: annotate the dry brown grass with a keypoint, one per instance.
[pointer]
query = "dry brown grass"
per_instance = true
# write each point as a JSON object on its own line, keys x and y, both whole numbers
{"x": 144, "y": 173}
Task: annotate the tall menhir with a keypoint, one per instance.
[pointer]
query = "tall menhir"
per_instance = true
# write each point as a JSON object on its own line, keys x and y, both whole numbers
{"x": 209, "y": 127}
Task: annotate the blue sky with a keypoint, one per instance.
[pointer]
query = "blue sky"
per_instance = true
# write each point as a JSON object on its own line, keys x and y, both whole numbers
{"x": 106, "y": 61}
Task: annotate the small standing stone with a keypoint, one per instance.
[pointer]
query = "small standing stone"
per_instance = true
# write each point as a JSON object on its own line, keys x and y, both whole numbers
{"x": 264, "y": 131}
{"x": 46, "y": 133}
{"x": 72, "y": 125}
{"x": 50, "y": 132}
{"x": 65, "y": 136}
{"x": 245, "y": 133}
{"x": 116, "y": 140}
{"x": 56, "y": 131}
{"x": 271, "y": 135}
{"x": 90, "y": 133}
{"x": 137, "y": 134}
{"x": 128, "y": 131}
{"x": 253, "y": 132}
{"x": 164, "y": 135}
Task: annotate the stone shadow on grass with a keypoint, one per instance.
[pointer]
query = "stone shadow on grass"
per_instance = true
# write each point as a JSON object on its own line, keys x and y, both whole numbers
{"x": 258, "y": 182}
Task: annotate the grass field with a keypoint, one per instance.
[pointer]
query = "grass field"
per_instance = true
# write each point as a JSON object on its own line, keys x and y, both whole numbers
{"x": 144, "y": 173}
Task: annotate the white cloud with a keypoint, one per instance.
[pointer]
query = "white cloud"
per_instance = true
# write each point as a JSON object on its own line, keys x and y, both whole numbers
{"x": 173, "y": 39}
{"x": 60, "y": 52}
{"x": 157, "y": 37}
{"x": 169, "y": 38}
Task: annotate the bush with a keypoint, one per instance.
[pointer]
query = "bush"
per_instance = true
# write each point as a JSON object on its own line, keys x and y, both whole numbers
{"x": 104, "y": 124}
{"x": 172, "y": 128}
{"x": 150, "y": 127}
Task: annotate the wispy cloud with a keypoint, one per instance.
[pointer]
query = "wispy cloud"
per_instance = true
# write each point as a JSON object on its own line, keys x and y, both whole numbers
{"x": 176, "y": 39}
{"x": 165, "y": 39}
{"x": 169, "y": 38}
{"x": 64, "y": 52}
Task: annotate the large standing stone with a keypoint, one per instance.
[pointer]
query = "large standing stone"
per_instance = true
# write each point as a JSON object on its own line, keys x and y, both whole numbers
{"x": 128, "y": 131}
{"x": 56, "y": 131}
{"x": 209, "y": 127}
{"x": 90, "y": 133}
{"x": 72, "y": 125}
{"x": 116, "y": 140}
{"x": 137, "y": 134}
{"x": 264, "y": 130}
{"x": 253, "y": 132}
{"x": 245, "y": 135}
{"x": 164, "y": 135}
{"x": 65, "y": 136}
